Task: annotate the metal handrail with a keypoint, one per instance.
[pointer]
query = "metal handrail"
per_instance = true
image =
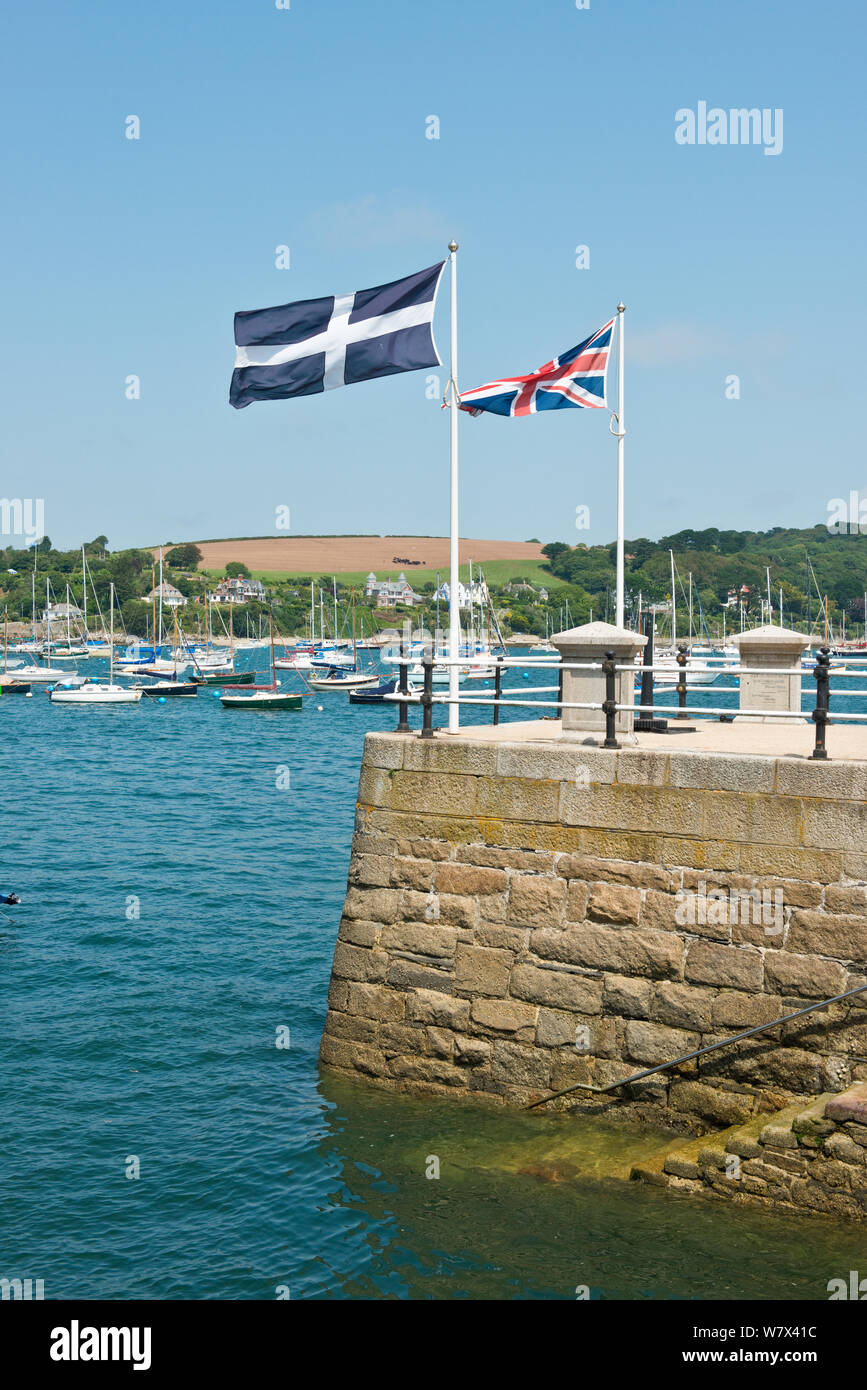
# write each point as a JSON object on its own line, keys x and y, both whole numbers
{"x": 699, "y": 1052}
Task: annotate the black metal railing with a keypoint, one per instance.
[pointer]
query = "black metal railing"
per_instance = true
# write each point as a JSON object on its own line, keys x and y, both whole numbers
{"x": 697, "y": 1052}
{"x": 646, "y": 710}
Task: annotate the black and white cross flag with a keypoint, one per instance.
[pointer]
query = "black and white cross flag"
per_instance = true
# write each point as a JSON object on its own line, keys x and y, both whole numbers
{"x": 314, "y": 345}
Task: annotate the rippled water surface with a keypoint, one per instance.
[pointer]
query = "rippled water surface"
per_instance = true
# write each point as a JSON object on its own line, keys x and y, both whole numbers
{"x": 154, "y": 1038}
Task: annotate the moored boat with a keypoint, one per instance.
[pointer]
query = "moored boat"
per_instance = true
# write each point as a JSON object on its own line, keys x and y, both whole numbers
{"x": 262, "y": 696}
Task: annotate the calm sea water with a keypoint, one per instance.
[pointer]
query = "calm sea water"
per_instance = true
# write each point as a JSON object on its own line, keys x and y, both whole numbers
{"x": 152, "y": 1038}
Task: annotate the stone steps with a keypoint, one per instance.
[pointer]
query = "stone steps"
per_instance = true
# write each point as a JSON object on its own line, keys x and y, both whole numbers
{"x": 804, "y": 1157}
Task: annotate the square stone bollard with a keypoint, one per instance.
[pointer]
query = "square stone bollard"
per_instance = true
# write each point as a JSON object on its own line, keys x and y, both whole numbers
{"x": 590, "y": 642}
{"x": 774, "y": 647}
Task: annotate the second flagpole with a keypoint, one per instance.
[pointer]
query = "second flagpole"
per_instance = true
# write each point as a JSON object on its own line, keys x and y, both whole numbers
{"x": 621, "y": 431}
{"x": 454, "y": 557}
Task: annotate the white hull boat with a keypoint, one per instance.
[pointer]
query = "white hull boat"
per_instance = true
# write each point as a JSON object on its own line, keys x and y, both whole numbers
{"x": 40, "y": 675}
{"x": 343, "y": 680}
{"x": 96, "y": 695}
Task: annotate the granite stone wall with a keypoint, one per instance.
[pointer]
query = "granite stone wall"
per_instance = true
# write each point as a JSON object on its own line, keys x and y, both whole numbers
{"x": 520, "y": 917}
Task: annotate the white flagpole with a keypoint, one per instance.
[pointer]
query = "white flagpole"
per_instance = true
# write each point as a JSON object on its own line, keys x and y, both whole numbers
{"x": 620, "y": 435}
{"x": 454, "y": 572}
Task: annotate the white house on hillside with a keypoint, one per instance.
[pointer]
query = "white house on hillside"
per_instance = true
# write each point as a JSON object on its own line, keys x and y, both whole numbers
{"x": 388, "y": 593}
{"x": 171, "y": 597}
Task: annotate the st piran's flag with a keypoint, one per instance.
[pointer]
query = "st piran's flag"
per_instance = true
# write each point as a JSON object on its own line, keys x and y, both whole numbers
{"x": 316, "y": 344}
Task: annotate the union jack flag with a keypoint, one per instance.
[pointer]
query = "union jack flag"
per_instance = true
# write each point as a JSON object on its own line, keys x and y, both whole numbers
{"x": 575, "y": 378}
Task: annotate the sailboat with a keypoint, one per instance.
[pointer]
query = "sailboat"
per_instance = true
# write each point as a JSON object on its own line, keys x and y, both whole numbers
{"x": 171, "y": 687}
{"x": 261, "y": 696}
{"x": 9, "y": 682}
{"x": 339, "y": 677}
{"x": 69, "y": 651}
{"x": 92, "y": 692}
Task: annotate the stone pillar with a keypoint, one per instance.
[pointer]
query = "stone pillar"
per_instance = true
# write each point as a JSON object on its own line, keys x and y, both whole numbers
{"x": 774, "y": 647}
{"x": 590, "y": 643}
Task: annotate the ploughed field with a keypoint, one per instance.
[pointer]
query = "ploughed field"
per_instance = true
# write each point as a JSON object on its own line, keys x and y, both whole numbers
{"x": 348, "y": 554}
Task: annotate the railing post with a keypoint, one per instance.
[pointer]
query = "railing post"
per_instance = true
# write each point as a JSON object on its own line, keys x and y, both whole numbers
{"x": 822, "y": 673}
{"x": 681, "y": 681}
{"x": 403, "y": 689}
{"x": 609, "y": 704}
{"x": 498, "y": 683}
{"x": 560, "y": 690}
{"x": 645, "y": 720}
{"x": 427, "y": 698}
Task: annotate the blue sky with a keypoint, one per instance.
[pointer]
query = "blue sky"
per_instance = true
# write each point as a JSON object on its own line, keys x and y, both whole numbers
{"x": 306, "y": 127}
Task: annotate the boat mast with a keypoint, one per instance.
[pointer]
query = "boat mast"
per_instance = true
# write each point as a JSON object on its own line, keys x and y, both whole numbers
{"x": 111, "y": 638}
{"x": 48, "y": 612}
{"x": 354, "y": 645}
{"x": 273, "y": 666}
{"x": 154, "y": 610}
{"x": 334, "y": 587}
{"x": 161, "y": 600}
{"x": 175, "y": 641}
{"x": 673, "y": 604}
{"x": 84, "y": 590}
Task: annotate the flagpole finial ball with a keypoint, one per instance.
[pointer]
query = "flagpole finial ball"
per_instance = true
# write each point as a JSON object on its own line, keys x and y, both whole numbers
{"x": 621, "y": 306}
{"x": 453, "y": 246}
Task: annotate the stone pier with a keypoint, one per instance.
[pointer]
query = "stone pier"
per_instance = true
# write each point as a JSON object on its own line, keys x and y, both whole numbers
{"x": 525, "y": 912}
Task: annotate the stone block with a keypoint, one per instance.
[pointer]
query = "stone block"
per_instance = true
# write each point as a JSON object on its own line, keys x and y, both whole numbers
{"x": 612, "y": 902}
{"x": 424, "y": 849}
{"x": 556, "y": 1028}
{"x": 847, "y": 898}
{"x": 850, "y": 1107}
{"x": 652, "y": 1043}
{"x": 432, "y": 792}
{"x": 469, "y": 880}
{"x": 536, "y": 901}
{"x": 627, "y": 996}
{"x": 444, "y": 755}
{"x": 809, "y": 976}
{"x": 517, "y": 798}
{"x": 407, "y": 974}
{"x": 370, "y": 870}
{"x": 681, "y": 1167}
{"x": 373, "y": 904}
{"x": 735, "y": 1009}
{"x": 595, "y": 870}
{"x": 376, "y": 1002}
{"x": 838, "y": 825}
{"x": 384, "y": 750}
{"x": 351, "y": 1028}
{"x": 482, "y": 970}
{"x": 442, "y": 1010}
{"x": 427, "y": 1070}
{"x": 557, "y": 989}
{"x": 358, "y": 933}
{"x": 658, "y": 955}
{"x": 577, "y": 895}
{"x": 724, "y": 772}
{"x": 359, "y": 963}
{"x": 489, "y": 857}
{"x": 419, "y": 938}
{"x": 472, "y": 1052}
{"x": 843, "y": 936}
{"x": 682, "y": 1006}
{"x": 503, "y": 1015}
{"x": 502, "y": 938}
{"x": 351, "y": 1056}
{"x": 735, "y": 967}
{"x": 519, "y": 1065}
{"x": 412, "y": 873}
